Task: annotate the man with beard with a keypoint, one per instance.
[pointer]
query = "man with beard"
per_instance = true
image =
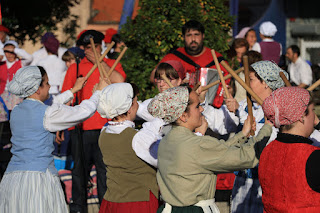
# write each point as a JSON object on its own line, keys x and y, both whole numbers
{"x": 194, "y": 55}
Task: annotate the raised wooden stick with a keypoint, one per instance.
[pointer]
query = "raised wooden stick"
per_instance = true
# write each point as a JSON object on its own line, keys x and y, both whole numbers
{"x": 117, "y": 60}
{"x": 224, "y": 85}
{"x": 196, "y": 86}
{"x": 285, "y": 80}
{"x": 164, "y": 77}
{"x": 243, "y": 84}
{"x": 103, "y": 73}
{"x": 313, "y": 86}
{"x": 100, "y": 59}
{"x": 225, "y": 78}
{"x": 249, "y": 102}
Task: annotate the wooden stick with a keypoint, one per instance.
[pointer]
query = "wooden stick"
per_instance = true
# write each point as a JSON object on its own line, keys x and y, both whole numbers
{"x": 117, "y": 60}
{"x": 100, "y": 59}
{"x": 313, "y": 86}
{"x": 247, "y": 79}
{"x": 225, "y": 78}
{"x": 164, "y": 77}
{"x": 101, "y": 70}
{"x": 285, "y": 80}
{"x": 243, "y": 84}
{"x": 224, "y": 85}
{"x": 196, "y": 86}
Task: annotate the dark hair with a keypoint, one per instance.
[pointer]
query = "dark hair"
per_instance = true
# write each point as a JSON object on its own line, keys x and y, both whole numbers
{"x": 43, "y": 73}
{"x": 253, "y": 56}
{"x": 306, "y": 112}
{"x": 67, "y": 56}
{"x": 168, "y": 70}
{"x": 116, "y": 38}
{"x": 192, "y": 25}
{"x": 295, "y": 49}
{"x": 255, "y": 73}
{"x": 240, "y": 42}
{"x": 250, "y": 30}
{"x": 135, "y": 90}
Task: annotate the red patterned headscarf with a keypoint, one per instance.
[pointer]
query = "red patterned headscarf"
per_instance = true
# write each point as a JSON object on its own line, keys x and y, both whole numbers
{"x": 286, "y": 105}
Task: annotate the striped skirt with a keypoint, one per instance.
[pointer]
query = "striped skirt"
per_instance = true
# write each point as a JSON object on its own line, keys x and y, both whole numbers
{"x": 31, "y": 191}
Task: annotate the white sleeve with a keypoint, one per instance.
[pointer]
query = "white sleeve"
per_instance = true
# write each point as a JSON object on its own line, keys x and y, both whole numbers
{"x": 59, "y": 116}
{"x": 256, "y": 47}
{"x": 221, "y": 120}
{"x": 143, "y": 110}
{"x": 142, "y": 141}
{"x": 26, "y": 58}
{"x": 63, "y": 98}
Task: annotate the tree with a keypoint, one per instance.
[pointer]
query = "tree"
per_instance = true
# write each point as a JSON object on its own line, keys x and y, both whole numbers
{"x": 34, "y": 18}
{"x": 157, "y": 29}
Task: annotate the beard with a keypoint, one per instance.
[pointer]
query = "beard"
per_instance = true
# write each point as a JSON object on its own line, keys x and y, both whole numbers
{"x": 193, "y": 50}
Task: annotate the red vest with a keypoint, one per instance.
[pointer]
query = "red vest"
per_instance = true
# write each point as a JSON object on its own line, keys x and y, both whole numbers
{"x": 270, "y": 51}
{"x": 6, "y": 73}
{"x": 282, "y": 175}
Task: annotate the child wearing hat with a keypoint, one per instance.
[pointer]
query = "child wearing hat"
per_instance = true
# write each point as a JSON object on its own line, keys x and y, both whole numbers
{"x": 15, "y": 58}
{"x": 31, "y": 182}
{"x": 187, "y": 163}
{"x": 289, "y": 166}
{"x": 131, "y": 181}
{"x": 269, "y": 49}
{"x": 175, "y": 72}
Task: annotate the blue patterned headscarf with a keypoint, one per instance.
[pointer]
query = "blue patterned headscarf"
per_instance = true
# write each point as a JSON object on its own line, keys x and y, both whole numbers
{"x": 26, "y": 81}
{"x": 270, "y": 73}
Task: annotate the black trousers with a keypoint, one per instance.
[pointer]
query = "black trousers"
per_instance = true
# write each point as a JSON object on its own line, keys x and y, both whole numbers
{"x": 86, "y": 153}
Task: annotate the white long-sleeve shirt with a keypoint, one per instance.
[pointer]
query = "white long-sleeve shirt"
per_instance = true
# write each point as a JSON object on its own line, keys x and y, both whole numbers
{"x": 300, "y": 72}
{"x": 59, "y": 116}
{"x": 42, "y": 53}
{"x": 56, "y": 70}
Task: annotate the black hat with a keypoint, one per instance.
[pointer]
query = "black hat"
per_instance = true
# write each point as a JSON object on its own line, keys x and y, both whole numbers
{"x": 85, "y": 37}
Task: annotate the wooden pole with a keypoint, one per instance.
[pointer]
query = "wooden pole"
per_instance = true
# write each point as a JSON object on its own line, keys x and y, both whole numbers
{"x": 313, "y": 86}
{"x": 224, "y": 85}
{"x": 225, "y": 78}
{"x": 285, "y": 80}
{"x": 101, "y": 70}
{"x": 196, "y": 86}
{"x": 100, "y": 59}
{"x": 243, "y": 84}
{"x": 117, "y": 60}
{"x": 164, "y": 77}
{"x": 249, "y": 102}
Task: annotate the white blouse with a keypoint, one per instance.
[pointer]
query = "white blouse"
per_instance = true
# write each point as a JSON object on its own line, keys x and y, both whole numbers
{"x": 59, "y": 116}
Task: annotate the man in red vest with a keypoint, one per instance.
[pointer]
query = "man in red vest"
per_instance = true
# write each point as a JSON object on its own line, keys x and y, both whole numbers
{"x": 194, "y": 55}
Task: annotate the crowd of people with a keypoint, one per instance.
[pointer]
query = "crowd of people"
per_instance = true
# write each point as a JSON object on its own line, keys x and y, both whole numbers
{"x": 173, "y": 162}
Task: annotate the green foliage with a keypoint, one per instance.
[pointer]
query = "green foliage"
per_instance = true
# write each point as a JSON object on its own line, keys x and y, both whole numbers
{"x": 157, "y": 29}
{"x": 34, "y": 18}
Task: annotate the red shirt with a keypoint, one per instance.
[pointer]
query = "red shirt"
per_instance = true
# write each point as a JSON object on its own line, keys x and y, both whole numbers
{"x": 96, "y": 121}
{"x": 6, "y": 73}
{"x": 202, "y": 60}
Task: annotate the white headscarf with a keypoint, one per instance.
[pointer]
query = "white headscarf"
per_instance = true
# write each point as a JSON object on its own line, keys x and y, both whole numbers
{"x": 115, "y": 100}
